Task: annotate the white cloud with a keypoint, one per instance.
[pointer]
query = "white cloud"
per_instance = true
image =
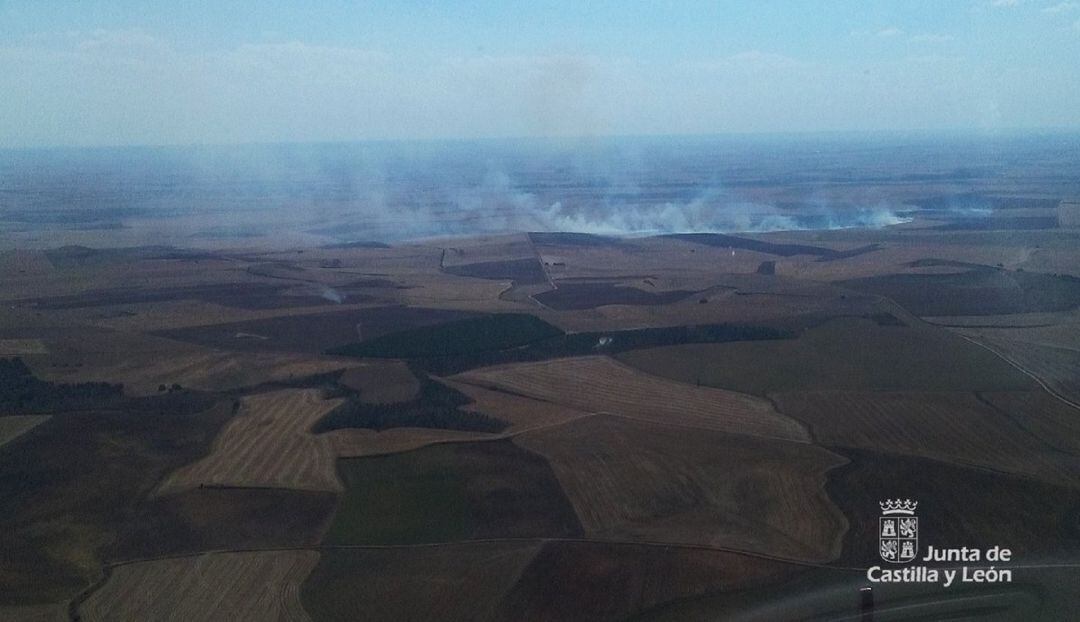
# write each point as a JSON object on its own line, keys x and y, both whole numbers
{"x": 1061, "y": 7}
{"x": 891, "y": 31}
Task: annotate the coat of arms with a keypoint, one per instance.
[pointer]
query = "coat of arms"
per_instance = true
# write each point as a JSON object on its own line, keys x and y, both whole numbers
{"x": 898, "y": 530}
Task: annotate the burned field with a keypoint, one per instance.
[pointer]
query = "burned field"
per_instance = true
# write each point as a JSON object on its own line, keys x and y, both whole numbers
{"x": 454, "y": 347}
{"x": 520, "y": 271}
{"x": 570, "y": 295}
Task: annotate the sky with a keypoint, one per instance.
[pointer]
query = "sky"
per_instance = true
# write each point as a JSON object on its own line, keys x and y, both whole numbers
{"x": 86, "y": 73}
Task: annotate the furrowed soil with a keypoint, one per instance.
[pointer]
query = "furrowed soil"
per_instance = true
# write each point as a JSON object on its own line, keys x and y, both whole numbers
{"x": 215, "y": 586}
{"x": 632, "y": 480}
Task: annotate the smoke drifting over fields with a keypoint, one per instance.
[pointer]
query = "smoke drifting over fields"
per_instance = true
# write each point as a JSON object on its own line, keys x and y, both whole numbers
{"x": 397, "y": 191}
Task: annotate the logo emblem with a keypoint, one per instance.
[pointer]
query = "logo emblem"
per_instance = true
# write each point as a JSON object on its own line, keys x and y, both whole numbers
{"x": 898, "y": 530}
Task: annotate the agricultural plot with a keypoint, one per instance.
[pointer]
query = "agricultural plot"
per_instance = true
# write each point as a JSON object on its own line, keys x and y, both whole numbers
{"x": 951, "y": 427}
{"x": 958, "y": 506}
{"x": 14, "y": 426}
{"x": 21, "y": 347}
{"x": 381, "y": 382}
{"x": 450, "y": 583}
{"x": 215, "y": 519}
{"x": 1047, "y": 418}
{"x": 1058, "y": 367}
{"x": 527, "y": 271}
{"x": 313, "y": 332}
{"x": 599, "y": 384}
{"x": 631, "y": 480}
{"x": 984, "y": 291}
{"x": 451, "y": 492}
{"x": 842, "y": 354}
{"x": 589, "y": 295}
{"x": 142, "y": 363}
{"x": 215, "y": 586}
{"x": 56, "y": 612}
{"x": 606, "y": 581}
{"x": 68, "y": 489}
{"x": 520, "y": 412}
{"x": 268, "y": 443}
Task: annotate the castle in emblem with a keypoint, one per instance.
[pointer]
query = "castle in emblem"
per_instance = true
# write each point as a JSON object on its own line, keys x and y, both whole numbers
{"x": 898, "y": 530}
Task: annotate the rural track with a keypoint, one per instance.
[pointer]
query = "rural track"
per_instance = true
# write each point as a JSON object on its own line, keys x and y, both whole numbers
{"x": 1022, "y": 370}
{"x": 1027, "y": 372}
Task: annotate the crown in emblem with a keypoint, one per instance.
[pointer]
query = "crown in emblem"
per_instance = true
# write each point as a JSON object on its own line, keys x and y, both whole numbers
{"x": 898, "y": 506}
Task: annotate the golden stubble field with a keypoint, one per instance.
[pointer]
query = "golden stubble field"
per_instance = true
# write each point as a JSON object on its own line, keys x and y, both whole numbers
{"x": 267, "y": 444}
{"x": 644, "y": 481}
{"x": 600, "y": 384}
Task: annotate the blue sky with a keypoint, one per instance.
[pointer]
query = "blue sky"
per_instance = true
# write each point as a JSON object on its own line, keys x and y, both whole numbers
{"x": 92, "y": 73}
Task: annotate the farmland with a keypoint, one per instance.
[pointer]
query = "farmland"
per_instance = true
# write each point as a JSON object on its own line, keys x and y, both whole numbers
{"x": 951, "y": 427}
{"x": 644, "y": 481}
{"x": 595, "y": 384}
{"x": 842, "y": 354}
{"x": 268, "y": 444}
{"x": 239, "y": 586}
{"x": 448, "y": 493}
{"x": 554, "y": 425}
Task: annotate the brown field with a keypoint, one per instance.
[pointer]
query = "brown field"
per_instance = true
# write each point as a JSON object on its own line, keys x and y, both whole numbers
{"x": 143, "y": 362}
{"x": 1049, "y": 419}
{"x": 56, "y": 612}
{"x": 599, "y": 384}
{"x": 21, "y": 347}
{"x": 14, "y": 426}
{"x": 206, "y": 371}
{"x": 632, "y": 480}
{"x": 952, "y": 427}
{"x": 1057, "y": 366}
{"x": 566, "y": 581}
{"x": 217, "y": 519}
{"x": 603, "y": 581}
{"x": 485, "y": 248}
{"x": 381, "y": 382}
{"x": 845, "y": 353}
{"x": 739, "y": 298}
{"x": 358, "y": 442}
{"x": 313, "y": 333}
{"x": 216, "y": 586}
{"x": 446, "y": 582}
{"x": 267, "y": 444}
{"x": 956, "y": 505}
{"x": 521, "y": 412}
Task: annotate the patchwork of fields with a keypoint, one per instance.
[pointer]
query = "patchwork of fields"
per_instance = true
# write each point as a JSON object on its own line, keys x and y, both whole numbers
{"x": 536, "y": 427}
